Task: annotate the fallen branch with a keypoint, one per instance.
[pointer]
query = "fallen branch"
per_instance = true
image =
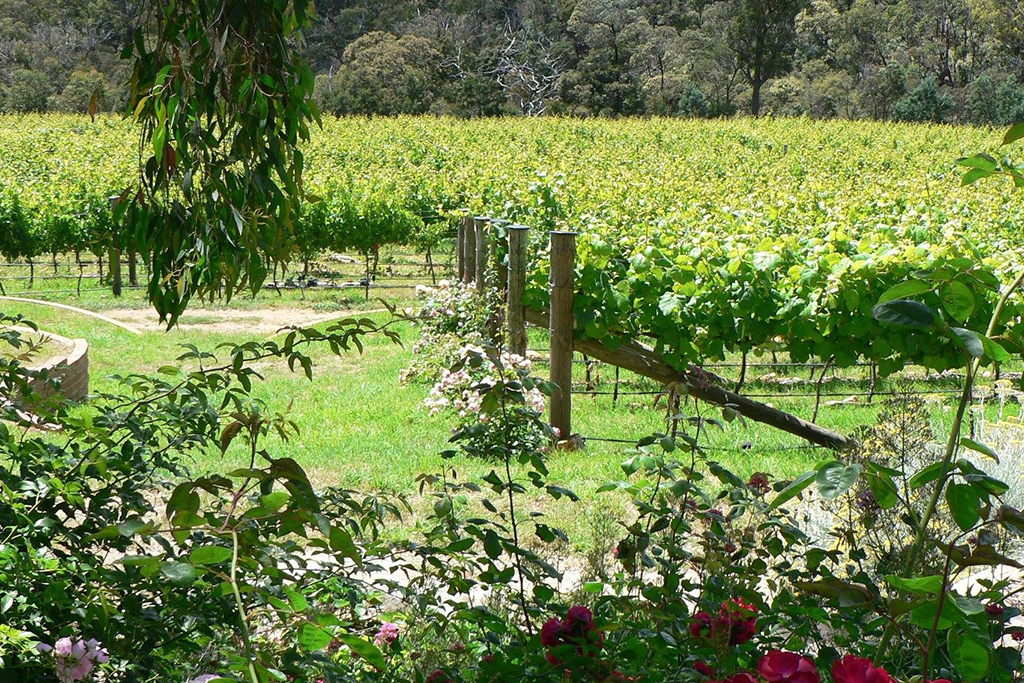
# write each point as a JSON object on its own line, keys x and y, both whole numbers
{"x": 643, "y": 360}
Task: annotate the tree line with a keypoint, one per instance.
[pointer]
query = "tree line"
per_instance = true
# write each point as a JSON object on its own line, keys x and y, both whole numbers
{"x": 914, "y": 60}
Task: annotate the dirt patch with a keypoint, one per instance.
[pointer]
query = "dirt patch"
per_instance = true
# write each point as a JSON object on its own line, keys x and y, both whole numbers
{"x": 262, "y": 322}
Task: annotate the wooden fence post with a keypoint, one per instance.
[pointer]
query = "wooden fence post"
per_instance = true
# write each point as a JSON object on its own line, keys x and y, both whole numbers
{"x": 460, "y": 246}
{"x": 500, "y": 265}
{"x": 469, "y": 245}
{"x": 133, "y": 268}
{"x": 483, "y": 251}
{"x": 516, "y": 317}
{"x": 115, "y": 252}
{"x": 561, "y": 284}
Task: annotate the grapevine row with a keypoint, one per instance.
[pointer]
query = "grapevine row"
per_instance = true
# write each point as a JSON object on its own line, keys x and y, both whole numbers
{"x": 708, "y": 238}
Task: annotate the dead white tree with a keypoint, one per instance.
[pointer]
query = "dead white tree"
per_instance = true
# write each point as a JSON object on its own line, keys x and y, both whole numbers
{"x": 528, "y": 69}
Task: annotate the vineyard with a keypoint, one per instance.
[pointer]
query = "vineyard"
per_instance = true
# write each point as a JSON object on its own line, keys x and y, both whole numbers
{"x": 795, "y": 345}
{"x": 781, "y": 239}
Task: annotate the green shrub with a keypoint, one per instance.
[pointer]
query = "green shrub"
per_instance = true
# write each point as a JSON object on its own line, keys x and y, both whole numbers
{"x": 28, "y": 91}
{"x": 80, "y": 90}
{"x": 925, "y": 103}
{"x": 692, "y": 101}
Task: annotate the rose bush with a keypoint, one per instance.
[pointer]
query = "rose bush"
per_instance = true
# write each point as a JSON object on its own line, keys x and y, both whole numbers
{"x": 450, "y": 316}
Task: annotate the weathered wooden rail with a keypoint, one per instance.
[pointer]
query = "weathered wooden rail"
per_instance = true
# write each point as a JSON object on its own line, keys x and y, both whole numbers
{"x": 476, "y": 255}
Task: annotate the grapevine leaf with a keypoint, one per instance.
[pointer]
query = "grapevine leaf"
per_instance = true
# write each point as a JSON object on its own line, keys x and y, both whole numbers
{"x": 905, "y": 289}
{"x": 836, "y": 478}
{"x": 958, "y": 300}
{"x": 905, "y": 313}
{"x": 794, "y": 489}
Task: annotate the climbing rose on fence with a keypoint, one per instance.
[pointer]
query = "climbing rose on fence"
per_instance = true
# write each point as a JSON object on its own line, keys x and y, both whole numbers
{"x": 787, "y": 667}
{"x": 854, "y": 669}
{"x": 497, "y": 402}
{"x": 74, "y": 660}
{"x": 463, "y": 390}
{"x": 451, "y": 316}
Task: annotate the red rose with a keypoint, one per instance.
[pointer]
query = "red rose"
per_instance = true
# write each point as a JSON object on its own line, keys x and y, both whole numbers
{"x": 854, "y": 669}
{"x": 940, "y": 680}
{"x": 703, "y": 668}
{"x": 700, "y": 625}
{"x": 550, "y": 632}
{"x": 579, "y": 615}
{"x": 577, "y": 629}
{"x": 787, "y": 667}
{"x": 759, "y": 482}
{"x": 741, "y": 677}
{"x": 737, "y": 618}
{"x": 438, "y": 676}
{"x": 1017, "y": 635}
{"x": 994, "y": 609}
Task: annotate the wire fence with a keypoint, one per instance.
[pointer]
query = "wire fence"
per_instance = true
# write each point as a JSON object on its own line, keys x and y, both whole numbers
{"x": 327, "y": 278}
{"x": 823, "y": 383}
{"x": 721, "y": 449}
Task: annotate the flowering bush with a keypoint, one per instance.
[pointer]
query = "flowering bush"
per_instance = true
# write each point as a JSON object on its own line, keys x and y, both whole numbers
{"x": 496, "y": 401}
{"x": 199, "y": 583}
{"x": 450, "y": 317}
{"x": 74, "y": 660}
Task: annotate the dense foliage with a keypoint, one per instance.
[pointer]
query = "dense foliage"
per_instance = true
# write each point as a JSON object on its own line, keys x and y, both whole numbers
{"x": 904, "y": 59}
